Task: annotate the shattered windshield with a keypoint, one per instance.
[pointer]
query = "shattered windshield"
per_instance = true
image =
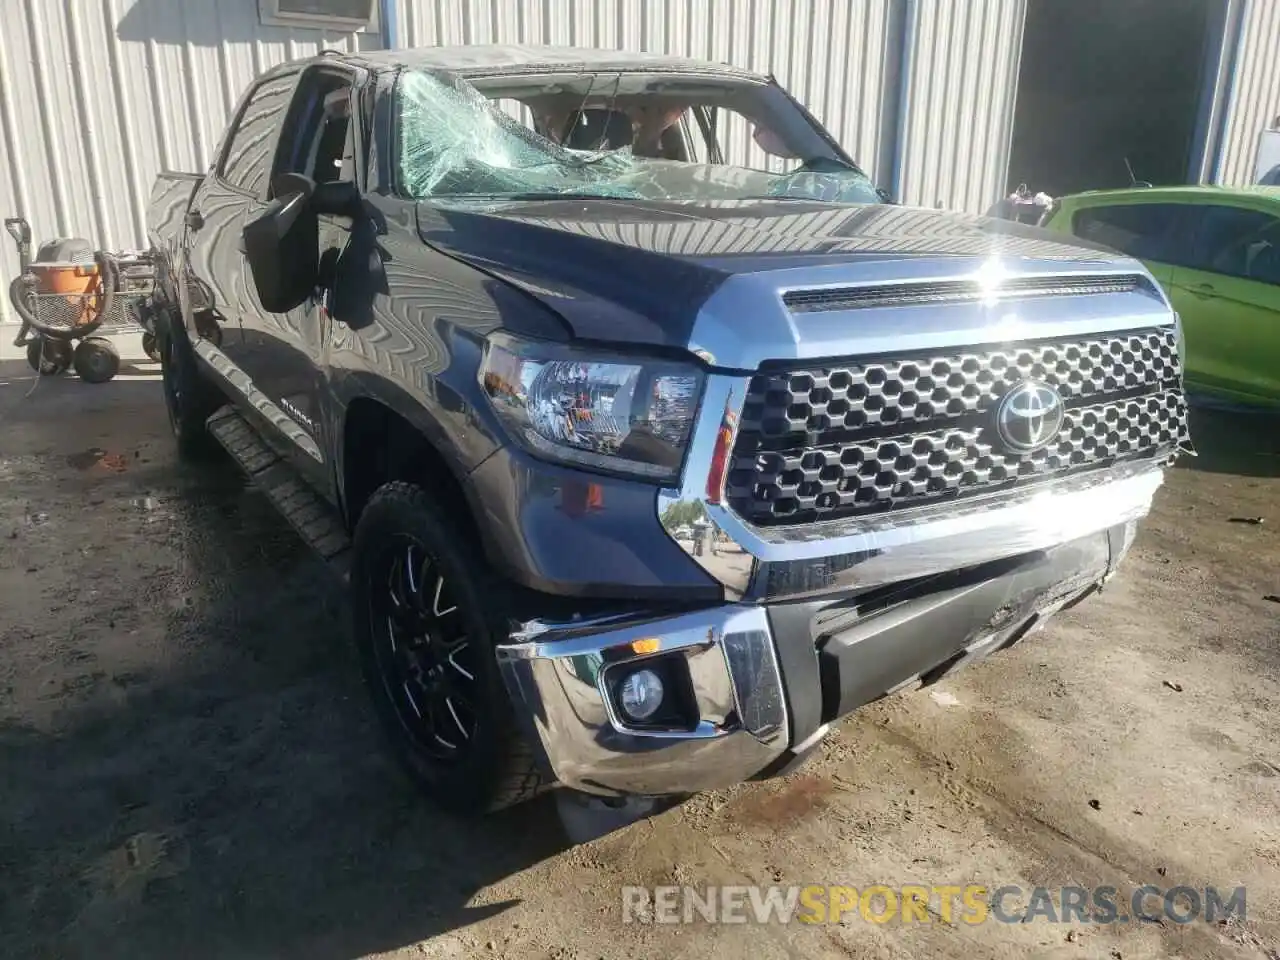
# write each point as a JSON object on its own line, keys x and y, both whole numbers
{"x": 622, "y": 135}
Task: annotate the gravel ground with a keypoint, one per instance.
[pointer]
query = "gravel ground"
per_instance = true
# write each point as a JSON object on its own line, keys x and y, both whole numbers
{"x": 189, "y": 768}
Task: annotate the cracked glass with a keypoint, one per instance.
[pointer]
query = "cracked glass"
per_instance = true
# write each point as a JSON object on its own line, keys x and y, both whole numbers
{"x": 616, "y": 135}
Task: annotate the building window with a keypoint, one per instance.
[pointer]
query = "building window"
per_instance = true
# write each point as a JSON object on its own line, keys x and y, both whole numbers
{"x": 344, "y": 15}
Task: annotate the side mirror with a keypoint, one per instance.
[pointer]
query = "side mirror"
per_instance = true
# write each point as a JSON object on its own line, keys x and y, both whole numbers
{"x": 282, "y": 246}
{"x": 884, "y": 195}
{"x": 339, "y": 198}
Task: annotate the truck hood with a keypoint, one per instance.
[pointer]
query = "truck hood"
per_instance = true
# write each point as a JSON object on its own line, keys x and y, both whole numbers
{"x": 639, "y": 272}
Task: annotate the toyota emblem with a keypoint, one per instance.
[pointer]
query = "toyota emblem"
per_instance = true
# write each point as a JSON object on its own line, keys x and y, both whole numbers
{"x": 1029, "y": 416}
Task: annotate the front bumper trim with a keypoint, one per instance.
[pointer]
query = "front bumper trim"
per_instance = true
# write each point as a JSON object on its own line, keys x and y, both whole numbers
{"x": 555, "y": 674}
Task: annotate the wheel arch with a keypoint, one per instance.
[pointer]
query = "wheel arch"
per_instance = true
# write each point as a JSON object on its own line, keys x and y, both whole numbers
{"x": 378, "y": 445}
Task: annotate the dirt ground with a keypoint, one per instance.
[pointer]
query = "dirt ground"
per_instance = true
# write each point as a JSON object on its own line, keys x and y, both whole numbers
{"x": 188, "y": 768}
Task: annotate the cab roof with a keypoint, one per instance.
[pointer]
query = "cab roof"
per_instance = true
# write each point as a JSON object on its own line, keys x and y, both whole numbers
{"x": 484, "y": 60}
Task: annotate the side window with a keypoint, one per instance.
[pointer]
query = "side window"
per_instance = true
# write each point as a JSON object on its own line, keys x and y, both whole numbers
{"x": 1265, "y": 263}
{"x": 1141, "y": 230}
{"x": 246, "y": 161}
{"x": 317, "y": 139}
{"x": 739, "y": 140}
{"x": 1238, "y": 243}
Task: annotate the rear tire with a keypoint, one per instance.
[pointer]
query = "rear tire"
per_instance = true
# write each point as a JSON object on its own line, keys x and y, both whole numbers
{"x": 96, "y": 360}
{"x": 188, "y": 397}
{"x": 427, "y": 616}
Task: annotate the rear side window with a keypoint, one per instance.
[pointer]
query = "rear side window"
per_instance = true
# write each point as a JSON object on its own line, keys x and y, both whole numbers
{"x": 1141, "y": 230}
{"x": 1238, "y": 243}
{"x": 246, "y": 163}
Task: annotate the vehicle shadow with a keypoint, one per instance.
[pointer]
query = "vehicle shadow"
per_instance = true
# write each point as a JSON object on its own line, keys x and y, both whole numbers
{"x": 1239, "y": 441}
{"x": 232, "y": 798}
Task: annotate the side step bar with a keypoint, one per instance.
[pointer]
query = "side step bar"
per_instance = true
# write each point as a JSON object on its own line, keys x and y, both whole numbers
{"x": 307, "y": 512}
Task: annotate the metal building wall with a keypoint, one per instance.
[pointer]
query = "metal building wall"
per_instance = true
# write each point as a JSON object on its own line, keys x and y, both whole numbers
{"x": 97, "y": 96}
{"x": 961, "y": 66}
{"x": 1255, "y": 91}
{"x": 832, "y": 54}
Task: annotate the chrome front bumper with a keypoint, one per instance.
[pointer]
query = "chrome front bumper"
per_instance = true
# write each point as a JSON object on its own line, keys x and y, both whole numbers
{"x": 558, "y": 675}
{"x": 558, "y": 678}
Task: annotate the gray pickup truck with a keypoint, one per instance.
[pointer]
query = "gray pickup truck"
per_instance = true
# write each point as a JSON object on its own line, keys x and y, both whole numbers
{"x": 643, "y": 468}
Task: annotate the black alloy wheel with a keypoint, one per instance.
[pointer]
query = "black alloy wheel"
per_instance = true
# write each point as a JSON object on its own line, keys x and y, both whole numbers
{"x": 427, "y": 614}
{"x": 426, "y": 660}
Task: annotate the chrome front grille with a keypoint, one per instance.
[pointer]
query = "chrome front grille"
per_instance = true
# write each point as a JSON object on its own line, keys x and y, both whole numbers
{"x": 886, "y": 433}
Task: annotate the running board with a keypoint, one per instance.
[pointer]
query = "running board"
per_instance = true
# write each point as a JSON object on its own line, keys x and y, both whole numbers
{"x": 307, "y": 512}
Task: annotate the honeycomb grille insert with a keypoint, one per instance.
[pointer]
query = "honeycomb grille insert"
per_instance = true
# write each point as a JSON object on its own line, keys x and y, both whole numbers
{"x": 890, "y": 434}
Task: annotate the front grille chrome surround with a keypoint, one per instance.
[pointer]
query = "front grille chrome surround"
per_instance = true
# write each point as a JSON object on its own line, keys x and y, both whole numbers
{"x": 881, "y": 434}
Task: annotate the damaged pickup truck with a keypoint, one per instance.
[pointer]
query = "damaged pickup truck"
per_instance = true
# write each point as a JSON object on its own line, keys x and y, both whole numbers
{"x": 644, "y": 467}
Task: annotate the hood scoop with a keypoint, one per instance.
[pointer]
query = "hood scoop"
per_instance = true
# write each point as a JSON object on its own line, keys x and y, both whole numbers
{"x": 945, "y": 292}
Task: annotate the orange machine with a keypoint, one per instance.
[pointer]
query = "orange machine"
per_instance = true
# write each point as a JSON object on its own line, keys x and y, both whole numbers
{"x": 68, "y": 267}
{"x": 67, "y": 293}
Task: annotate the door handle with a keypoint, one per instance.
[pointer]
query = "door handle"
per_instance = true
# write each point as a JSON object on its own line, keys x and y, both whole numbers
{"x": 1203, "y": 290}
{"x": 240, "y": 245}
{"x": 194, "y": 220}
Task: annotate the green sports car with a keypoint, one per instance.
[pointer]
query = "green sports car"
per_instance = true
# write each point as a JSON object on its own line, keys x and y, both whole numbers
{"x": 1216, "y": 252}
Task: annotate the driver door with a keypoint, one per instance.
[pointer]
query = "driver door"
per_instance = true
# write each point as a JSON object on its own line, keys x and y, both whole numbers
{"x": 286, "y": 354}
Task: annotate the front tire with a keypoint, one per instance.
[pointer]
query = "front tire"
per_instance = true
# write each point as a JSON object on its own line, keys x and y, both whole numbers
{"x": 427, "y": 616}
{"x": 188, "y": 397}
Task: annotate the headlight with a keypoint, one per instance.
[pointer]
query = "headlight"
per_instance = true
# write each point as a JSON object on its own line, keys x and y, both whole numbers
{"x": 590, "y": 409}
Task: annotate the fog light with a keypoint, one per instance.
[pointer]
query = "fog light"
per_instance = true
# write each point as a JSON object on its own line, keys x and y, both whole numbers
{"x": 640, "y": 695}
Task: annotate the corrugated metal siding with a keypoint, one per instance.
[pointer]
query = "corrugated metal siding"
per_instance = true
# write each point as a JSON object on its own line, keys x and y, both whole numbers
{"x": 831, "y": 54}
{"x": 959, "y": 104}
{"x": 97, "y": 96}
{"x": 1255, "y": 92}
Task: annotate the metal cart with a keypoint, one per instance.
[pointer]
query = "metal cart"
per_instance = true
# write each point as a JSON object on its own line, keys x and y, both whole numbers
{"x": 71, "y": 298}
